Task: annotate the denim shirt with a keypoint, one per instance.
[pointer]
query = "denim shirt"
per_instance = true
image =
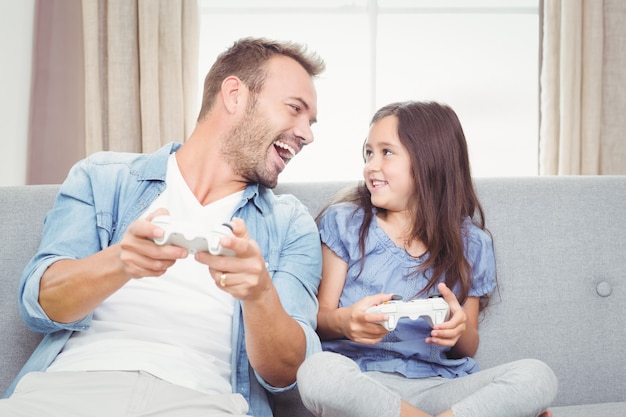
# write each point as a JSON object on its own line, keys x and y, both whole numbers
{"x": 104, "y": 193}
{"x": 390, "y": 269}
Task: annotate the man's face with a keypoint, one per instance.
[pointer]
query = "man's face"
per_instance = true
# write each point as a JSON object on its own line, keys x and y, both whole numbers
{"x": 276, "y": 124}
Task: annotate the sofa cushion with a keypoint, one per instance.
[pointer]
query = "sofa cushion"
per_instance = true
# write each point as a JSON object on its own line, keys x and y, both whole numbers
{"x": 590, "y": 410}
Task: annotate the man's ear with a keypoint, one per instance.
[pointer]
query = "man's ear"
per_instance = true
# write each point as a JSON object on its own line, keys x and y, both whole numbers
{"x": 232, "y": 93}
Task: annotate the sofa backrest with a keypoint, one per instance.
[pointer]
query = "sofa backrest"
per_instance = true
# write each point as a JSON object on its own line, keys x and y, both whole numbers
{"x": 561, "y": 263}
{"x": 22, "y": 210}
{"x": 560, "y": 245}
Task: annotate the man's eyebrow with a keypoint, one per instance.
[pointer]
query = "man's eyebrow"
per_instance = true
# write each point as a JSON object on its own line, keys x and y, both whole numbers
{"x": 302, "y": 102}
{"x": 306, "y": 106}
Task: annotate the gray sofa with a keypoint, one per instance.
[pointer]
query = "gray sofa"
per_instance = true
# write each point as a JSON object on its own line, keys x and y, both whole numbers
{"x": 560, "y": 246}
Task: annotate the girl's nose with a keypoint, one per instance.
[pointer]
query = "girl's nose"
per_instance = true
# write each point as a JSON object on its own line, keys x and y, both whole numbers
{"x": 370, "y": 167}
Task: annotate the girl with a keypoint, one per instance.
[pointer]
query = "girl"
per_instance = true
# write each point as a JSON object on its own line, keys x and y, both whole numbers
{"x": 414, "y": 228}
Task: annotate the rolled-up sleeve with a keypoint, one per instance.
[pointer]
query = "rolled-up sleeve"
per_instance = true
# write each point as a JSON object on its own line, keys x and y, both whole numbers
{"x": 296, "y": 268}
{"x": 70, "y": 232}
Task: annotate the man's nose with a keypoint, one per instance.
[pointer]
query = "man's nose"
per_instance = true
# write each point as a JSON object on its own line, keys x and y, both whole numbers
{"x": 304, "y": 132}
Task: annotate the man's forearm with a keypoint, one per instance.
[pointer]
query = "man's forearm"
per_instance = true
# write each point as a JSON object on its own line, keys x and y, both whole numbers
{"x": 71, "y": 289}
{"x": 275, "y": 342}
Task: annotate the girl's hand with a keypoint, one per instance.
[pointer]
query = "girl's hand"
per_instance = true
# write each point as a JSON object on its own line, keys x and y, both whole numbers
{"x": 361, "y": 327}
{"x": 449, "y": 333}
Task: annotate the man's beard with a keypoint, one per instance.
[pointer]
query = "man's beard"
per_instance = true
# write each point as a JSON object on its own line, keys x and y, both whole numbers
{"x": 245, "y": 148}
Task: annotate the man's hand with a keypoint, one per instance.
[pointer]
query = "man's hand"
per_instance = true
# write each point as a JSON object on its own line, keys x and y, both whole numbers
{"x": 140, "y": 256}
{"x": 245, "y": 275}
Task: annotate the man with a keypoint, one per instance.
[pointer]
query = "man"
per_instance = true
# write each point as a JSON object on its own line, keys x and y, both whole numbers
{"x": 133, "y": 328}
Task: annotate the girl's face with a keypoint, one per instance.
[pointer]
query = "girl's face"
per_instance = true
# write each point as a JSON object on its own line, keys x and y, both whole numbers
{"x": 387, "y": 171}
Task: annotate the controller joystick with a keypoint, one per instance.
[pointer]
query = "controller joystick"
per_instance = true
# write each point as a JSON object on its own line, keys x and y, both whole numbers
{"x": 187, "y": 236}
{"x": 432, "y": 310}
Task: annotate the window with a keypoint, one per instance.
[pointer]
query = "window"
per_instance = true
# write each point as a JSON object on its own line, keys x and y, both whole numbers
{"x": 479, "y": 57}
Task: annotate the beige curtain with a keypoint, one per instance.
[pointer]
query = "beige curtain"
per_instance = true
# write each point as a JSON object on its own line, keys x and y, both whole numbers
{"x": 141, "y": 60}
{"x": 583, "y": 97}
{"x": 117, "y": 75}
{"x": 57, "y": 123}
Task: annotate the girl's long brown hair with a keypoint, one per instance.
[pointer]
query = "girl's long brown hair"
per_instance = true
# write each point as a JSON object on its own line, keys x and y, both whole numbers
{"x": 444, "y": 194}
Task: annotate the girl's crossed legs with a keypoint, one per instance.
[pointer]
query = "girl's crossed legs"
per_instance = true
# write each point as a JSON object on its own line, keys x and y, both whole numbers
{"x": 332, "y": 385}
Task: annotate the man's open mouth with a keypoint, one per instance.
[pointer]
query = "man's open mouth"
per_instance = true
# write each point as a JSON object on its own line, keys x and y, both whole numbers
{"x": 285, "y": 151}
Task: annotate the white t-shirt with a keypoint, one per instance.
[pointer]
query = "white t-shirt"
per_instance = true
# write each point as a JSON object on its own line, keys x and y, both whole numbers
{"x": 177, "y": 326}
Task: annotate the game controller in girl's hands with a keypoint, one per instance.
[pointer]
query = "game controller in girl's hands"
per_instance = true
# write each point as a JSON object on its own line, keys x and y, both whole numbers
{"x": 187, "y": 236}
{"x": 432, "y": 310}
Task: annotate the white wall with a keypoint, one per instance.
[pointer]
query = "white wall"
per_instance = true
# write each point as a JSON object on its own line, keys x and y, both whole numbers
{"x": 16, "y": 46}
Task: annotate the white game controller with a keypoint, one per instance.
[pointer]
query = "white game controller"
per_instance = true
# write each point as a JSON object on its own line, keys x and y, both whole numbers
{"x": 433, "y": 310}
{"x": 187, "y": 236}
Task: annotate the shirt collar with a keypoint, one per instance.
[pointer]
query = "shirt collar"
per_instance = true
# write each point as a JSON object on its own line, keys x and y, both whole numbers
{"x": 156, "y": 166}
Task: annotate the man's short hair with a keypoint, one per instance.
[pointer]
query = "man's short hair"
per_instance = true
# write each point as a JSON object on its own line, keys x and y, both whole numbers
{"x": 247, "y": 59}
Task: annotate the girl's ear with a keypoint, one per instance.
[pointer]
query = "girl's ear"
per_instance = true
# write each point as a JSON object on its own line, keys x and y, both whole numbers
{"x": 232, "y": 93}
